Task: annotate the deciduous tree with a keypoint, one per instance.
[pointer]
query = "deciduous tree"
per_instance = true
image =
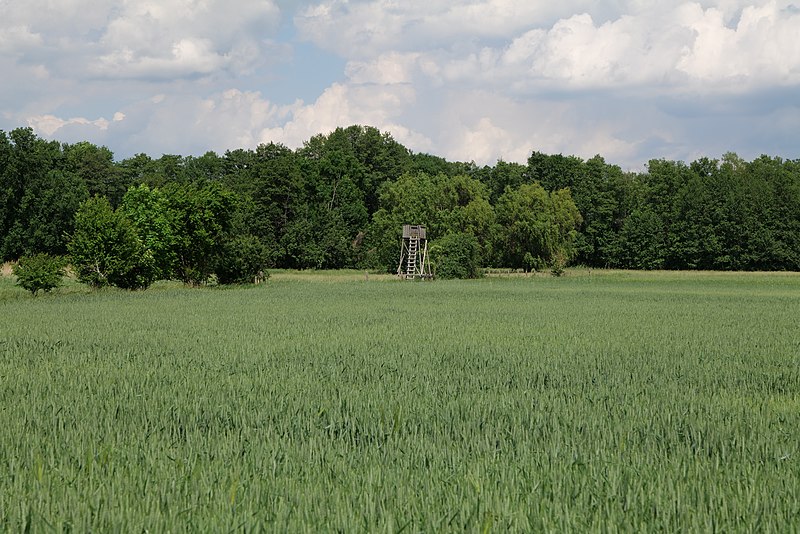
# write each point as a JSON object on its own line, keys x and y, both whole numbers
{"x": 105, "y": 248}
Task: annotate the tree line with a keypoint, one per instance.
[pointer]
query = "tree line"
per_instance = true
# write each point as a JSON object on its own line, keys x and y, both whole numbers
{"x": 340, "y": 201}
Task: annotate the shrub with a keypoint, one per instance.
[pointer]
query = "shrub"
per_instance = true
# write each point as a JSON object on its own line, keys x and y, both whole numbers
{"x": 559, "y": 263}
{"x": 40, "y": 272}
{"x": 243, "y": 260}
{"x": 532, "y": 263}
{"x": 457, "y": 256}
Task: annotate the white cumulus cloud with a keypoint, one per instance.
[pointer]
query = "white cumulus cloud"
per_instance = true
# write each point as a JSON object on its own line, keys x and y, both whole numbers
{"x": 342, "y": 105}
{"x": 136, "y": 38}
{"x": 469, "y": 80}
{"x": 173, "y": 38}
{"x": 50, "y": 124}
{"x": 508, "y": 43}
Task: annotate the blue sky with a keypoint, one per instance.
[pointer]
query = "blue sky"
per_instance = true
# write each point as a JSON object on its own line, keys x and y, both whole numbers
{"x": 477, "y": 80}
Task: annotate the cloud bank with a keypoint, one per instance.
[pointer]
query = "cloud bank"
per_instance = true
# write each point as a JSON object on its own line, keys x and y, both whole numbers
{"x": 477, "y": 80}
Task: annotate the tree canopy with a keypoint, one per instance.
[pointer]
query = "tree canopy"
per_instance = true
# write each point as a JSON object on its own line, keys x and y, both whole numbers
{"x": 341, "y": 199}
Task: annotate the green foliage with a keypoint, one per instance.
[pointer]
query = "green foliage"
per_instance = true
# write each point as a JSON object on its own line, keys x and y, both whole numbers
{"x": 300, "y": 245}
{"x": 94, "y": 166}
{"x": 344, "y": 171}
{"x": 456, "y": 256}
{"x": 555, "y": 171}
{"x": 363, "y": 154}
{"x": 40, "y": 272}
{"x": 558, "y": 264}
{"x": 431, "y": 165}
{"x": 38, "y": 196}
{"x": 277, "y": 200}
{"x": 409, "y": 200}
{"x": 502, "y": 175}
{"x": 536, "y": 226}
{"x": 243, "y": 260}
{"x": 200, "y": 217}
{"x": 532, "y": 263}
{"x": 444, "y": 204}
{"x": 341, "y": 200}
{"x": 642, "y": 240}
{"x": 105, "y": 248}
{"x": 149, "y": 212}
{"x": 524, "y": 216}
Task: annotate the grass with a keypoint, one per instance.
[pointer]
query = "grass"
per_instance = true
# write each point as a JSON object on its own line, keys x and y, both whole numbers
{"x": 601, "y": 401}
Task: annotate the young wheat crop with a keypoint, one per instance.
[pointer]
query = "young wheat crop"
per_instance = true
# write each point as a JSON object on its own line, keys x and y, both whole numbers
{"x": 610, "y": 401}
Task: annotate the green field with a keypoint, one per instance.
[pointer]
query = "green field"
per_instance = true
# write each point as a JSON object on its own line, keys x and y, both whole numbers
{"x": 600, "y": 401}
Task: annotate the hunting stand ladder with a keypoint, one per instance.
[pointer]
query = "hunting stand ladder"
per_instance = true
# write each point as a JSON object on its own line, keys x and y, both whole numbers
{"x": 414, "y": 261}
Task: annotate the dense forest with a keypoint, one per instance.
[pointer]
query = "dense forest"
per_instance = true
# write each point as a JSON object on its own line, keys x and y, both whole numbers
{"x": 340, "y": 200}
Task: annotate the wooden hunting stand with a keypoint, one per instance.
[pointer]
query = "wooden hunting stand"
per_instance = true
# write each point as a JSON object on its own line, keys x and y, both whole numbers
{"x": 414, "y": 254}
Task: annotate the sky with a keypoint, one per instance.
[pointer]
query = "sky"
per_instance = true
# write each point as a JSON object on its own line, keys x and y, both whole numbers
{"x": 477, "y": 80}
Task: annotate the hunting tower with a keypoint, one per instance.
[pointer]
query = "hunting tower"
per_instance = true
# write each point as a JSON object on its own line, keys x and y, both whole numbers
{"x": 414, "y": 254}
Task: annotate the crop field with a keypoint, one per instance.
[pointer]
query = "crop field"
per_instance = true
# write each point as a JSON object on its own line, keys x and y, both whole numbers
{"x": 599, "y": 401}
